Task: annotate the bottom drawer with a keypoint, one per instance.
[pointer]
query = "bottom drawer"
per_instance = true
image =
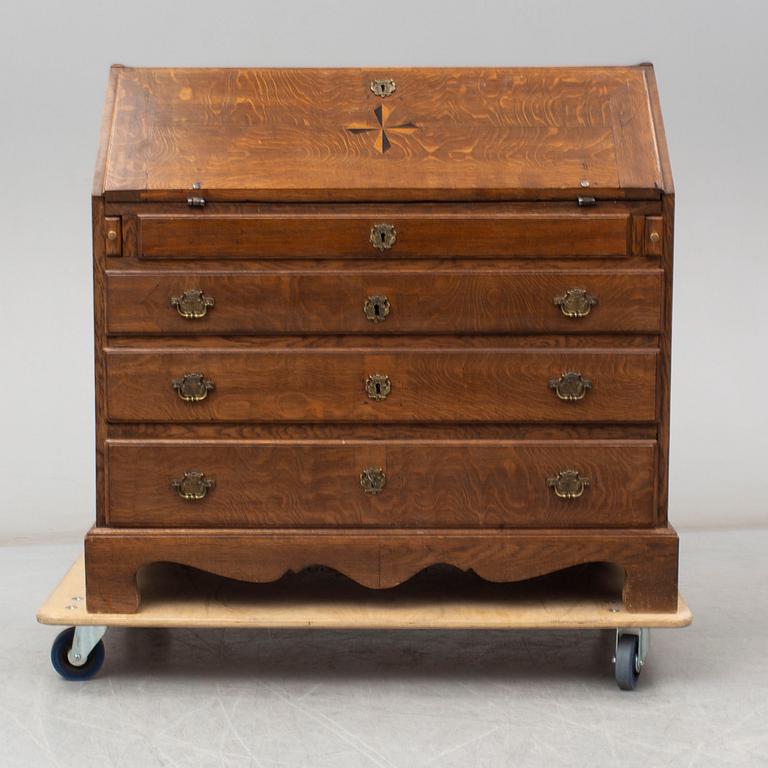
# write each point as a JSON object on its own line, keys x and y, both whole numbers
{"x": 382, "y": 484}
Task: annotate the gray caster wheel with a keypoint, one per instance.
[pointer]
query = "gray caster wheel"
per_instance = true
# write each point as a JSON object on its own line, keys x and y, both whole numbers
{"x": 627, "y": 663}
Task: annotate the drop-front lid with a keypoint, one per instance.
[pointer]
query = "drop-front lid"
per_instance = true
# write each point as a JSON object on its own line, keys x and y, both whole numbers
{"x": 382, "y": 134}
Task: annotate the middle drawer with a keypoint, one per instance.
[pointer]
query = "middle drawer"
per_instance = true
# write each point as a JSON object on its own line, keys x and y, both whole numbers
{"x": 359, "y": 301}
{"x": 369, "y": 384}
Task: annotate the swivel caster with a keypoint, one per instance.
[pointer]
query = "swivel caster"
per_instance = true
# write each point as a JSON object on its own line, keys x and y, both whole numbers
{"x": 77, "y": 653}
{"x": 629, "y": 656}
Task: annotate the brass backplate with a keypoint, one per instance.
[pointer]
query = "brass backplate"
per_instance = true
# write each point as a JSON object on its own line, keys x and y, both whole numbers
{"x": 373, "y": 480}
{"x": 193, "y": 486}
{"x": 192, "y": 304}
{"x": 576, "y": 302}
{"x": 192, "y": 387}
{"x": 570, "y": 386}
{"x": 568, "y": 484}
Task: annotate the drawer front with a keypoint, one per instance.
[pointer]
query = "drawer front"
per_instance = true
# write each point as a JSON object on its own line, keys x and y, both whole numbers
{"x": 381, "y": 234}
{"x": 496, "y": 385}
{"x": 383, "y": 302}
{"x": 397, "y": 484}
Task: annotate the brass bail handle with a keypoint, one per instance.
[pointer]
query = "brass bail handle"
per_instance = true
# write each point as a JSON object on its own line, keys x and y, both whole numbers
{"x": 193, "y": 486}
{"x": 568, "y": 484}
{"x": 575, "y": 302}
{"x": 192, "y": 304}
{"x": 570, "y": 386}
{"x": 192, "y": 387}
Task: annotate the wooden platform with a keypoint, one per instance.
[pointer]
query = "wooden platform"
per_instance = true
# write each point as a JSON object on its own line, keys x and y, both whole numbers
{"x": 439, "y": 598}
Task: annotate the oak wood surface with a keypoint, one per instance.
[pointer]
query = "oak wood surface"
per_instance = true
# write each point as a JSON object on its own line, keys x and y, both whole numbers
{"x": 462, "y": 134}
{"x": 434, "y": 301}
{"x": 437, "y": 484}
{"x": 436, "y": 385}
{"x": 479, "y": 173}
{"x": 504, "y": 231}
{"x": 380, "y": 559}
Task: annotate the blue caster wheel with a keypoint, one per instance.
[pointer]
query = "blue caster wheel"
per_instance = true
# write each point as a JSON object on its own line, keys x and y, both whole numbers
{"x": 627, "y": 662}
{"x": 64, "y": 666}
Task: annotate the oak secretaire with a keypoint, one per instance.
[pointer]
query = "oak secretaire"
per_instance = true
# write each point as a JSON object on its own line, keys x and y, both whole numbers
{"x": 381, "y": 319}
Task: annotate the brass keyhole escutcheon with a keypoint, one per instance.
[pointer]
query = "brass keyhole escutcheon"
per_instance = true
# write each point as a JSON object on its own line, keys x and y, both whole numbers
{"x": 570, "y": 386}
{"x": 568, "y": 484}
{"x": 383, "y": 236}
{"x": 193, "y": 486}
{"x": 192, "y": 304}
{"x": 373, "y": 480}
{"x": 192, "y": 387}
{"x": 576, "y": 302}
{"x": 378, "y": 386}
{"x": 384, "y": 87}
{"x": 376, "y": 308}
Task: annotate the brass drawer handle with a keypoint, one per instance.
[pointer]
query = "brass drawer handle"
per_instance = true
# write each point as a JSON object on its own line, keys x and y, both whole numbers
{"x": 192, "y": 387}
{"x": 568, "y": 484}
{"x": 575, "y": 302}
{"x": 378, "y": 386}
{"x": 376, "y": 308}
{"x": 383, "y": 236}
{"x": 193, "y": 486}
{"x": 571, "y": 386}
{"x": 373, "y": 480}
{"x": 192, "y": 304}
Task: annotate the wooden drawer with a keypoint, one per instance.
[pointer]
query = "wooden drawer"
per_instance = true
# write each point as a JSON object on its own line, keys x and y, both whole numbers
{"x": 457, "y": 385}
{"x": 383, "y": 302}
{"x": 334, "y": 232}
{"x": 426, "y": 484}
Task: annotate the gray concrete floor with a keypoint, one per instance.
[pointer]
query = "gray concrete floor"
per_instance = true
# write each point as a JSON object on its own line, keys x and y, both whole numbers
{"x": 396, "y": 699}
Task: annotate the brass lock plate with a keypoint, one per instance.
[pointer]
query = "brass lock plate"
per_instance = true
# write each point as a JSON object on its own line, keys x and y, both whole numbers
{"x": 383, "y": 87}
{"x": 378, "y": 386}
{"x": 383, "y": 236}
{"x": 373, "y": 480}
{"x": 376, "y": 308}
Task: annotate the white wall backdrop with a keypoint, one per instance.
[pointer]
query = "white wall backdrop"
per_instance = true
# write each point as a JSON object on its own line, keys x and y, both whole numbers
{"x": 711, "y": 63}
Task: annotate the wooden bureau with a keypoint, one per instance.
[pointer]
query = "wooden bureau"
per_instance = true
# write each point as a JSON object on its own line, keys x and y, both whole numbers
{"x": 378, "y": 320}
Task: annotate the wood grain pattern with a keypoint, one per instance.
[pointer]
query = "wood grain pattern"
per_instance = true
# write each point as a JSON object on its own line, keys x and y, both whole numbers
{"x": 481, "y": 184}
{"x": 503, "y": 231}
{"x": 439, "y": 385}
{"x": 444, "y": 301}
{"x": 380, "y": 559}
{"x": 288, "y": 484}
{"x": 285, "y": 134}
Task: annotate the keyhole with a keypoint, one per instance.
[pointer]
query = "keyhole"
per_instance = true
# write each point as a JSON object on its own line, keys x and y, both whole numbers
{"x": 382, "y": 237}
{"x": 376, "y": 310}
{"x": 378, "y": 388}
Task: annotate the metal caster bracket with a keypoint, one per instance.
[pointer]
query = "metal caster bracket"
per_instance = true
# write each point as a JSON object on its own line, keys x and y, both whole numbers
{"x": 643, "y": 635}
{"x": 85, "y": 640}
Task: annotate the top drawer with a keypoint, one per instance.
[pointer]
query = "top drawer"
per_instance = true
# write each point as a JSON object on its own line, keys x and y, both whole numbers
{"x": 395, "y": 231}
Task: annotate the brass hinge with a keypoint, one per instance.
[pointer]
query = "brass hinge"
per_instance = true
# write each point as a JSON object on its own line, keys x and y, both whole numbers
{"x": 586, "y": 202}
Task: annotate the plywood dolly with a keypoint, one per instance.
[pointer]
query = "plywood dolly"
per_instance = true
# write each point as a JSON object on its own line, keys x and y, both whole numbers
{"x": 587, "y": 597}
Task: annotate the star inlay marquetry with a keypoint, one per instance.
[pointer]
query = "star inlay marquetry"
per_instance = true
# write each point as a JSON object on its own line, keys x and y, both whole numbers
{"x": 382, "y": 128}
